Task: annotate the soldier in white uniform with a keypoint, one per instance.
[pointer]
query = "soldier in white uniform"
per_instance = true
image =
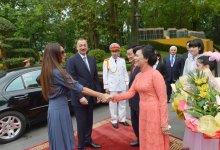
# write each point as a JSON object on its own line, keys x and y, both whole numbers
{"x": 116, "y": 80}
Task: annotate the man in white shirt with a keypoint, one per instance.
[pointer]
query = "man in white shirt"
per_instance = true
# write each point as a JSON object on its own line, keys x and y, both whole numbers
{"x": 116, "y": 80}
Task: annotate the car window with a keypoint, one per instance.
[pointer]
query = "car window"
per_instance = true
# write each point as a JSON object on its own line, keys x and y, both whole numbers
{"x": 17, "y": 84}
{"x": 30, "y": 79}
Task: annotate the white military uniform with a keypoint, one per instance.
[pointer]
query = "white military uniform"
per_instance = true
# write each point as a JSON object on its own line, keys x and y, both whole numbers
{"x": 115, "y": 79}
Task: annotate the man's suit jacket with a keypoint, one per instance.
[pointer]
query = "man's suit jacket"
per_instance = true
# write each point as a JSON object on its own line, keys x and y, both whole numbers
{"x": 184, "y": 57}
{"x": 162, "y": 69}
{"x": 173, "y": 73}
{"x": 134, "y": 101}
{"x": 79, "y": 71}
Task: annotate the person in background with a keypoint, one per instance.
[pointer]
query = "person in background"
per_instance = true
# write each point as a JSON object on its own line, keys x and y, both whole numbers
{"x": 160, "y": 66}
{"x": 153, "y": 118}
{"x": 134, "y": 102}
{"x": 196, "y": 47}
{"x": 115, "y": 80}
{"x": 174, "y": 67}
{"x": 27, "y": 62}
{"x": 83, "y": 69}
{"x": 56, "y": 83}
{"x": 186, "y": 54}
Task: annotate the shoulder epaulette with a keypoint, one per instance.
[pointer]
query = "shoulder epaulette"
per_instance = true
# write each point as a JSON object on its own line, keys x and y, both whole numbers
{"x": 107, "y": 63}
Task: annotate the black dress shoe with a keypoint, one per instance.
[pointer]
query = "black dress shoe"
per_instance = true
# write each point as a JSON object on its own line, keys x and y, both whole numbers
{"x": 115, "y": 125}
{"x": 93, "y": 145}
{"x": 134, "y": 143}
{"x": 124, "y": 123}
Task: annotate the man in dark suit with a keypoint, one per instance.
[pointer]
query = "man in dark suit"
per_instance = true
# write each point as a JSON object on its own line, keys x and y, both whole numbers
{"x": 174, "y": 69}
{"x": 160, "y": 66}
{"x": 186, "y": 54}
{"x": 134, "y": 102}
{"x": 84, "y": 70}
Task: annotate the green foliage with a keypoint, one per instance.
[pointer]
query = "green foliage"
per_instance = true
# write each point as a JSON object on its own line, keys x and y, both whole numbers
{"x": 18, "y": 42}
{"x": 104, "y": 22}
{"x": 21, "y": 52}
{"x": 128, "y": 67}
{"x": 68, "y": 55}
{"x": 99, "y": 66}
{"x": 98, "y": 54}
{"x": 5, "y": 46}
{"x": 123, "y": 51}
{"x": 6, "y": 26}
{"x": 217, "y": 47}
{"x": 16, "y": 62}
{"x": 163, "y": 47}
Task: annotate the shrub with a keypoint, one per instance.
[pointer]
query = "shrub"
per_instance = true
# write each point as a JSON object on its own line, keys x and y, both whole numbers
{"x": 18, "y": 42}
{"x": 99, "y": 66}
{"x": 16, "y": 62}
{"x": 163, "y": 47}
{"x": 6, "y": 26}
{"x": 68, "y": 55}
{"x": 21, "y": 52}
{"x": 98, "y": 54}
{"x": 5, "y": 46}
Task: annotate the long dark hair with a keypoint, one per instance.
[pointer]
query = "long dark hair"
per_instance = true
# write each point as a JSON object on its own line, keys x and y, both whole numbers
{"x": 51, "y": 60}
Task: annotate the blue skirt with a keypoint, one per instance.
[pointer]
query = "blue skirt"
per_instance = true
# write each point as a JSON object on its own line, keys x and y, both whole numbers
{"x": 60, "y": 128}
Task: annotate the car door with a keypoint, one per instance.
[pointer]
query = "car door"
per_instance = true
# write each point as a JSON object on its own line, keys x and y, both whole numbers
{"x": 24, "y": 95}
{"x": 37, "y": 105}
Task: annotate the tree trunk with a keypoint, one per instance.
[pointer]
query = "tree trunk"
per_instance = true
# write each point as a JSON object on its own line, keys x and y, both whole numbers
{"x": 113, "y": 21}
{"x": 134, "y": 23}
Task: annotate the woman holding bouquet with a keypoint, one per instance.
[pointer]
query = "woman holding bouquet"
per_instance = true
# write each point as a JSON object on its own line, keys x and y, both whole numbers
{"x": 195, "y": 140}
{"x": 150, "y": 85}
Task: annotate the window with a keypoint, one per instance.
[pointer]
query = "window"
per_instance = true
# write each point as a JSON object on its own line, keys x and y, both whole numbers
{"x": 17, "y": 84}
{"x": 30, "y": 79}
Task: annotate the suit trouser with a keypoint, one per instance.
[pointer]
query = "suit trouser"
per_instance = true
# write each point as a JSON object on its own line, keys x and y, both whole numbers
{"x": 84, "y": 120}
{"x": 169, "y": 89}
{"x": 117, "y": 109}
{"x": 135, "y": 121}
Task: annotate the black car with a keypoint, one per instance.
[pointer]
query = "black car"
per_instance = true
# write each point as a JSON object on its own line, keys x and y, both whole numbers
{"x": 21, "y": 102}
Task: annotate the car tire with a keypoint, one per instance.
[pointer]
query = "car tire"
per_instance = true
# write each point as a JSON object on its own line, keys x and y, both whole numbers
{"x": 12, "y": 126}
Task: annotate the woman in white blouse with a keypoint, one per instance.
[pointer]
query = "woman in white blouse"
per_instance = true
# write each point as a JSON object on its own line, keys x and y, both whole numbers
{"x": 196, "y": 47}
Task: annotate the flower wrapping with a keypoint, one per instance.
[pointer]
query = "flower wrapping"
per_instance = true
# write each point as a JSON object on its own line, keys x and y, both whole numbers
{"x": 198, "y": 102}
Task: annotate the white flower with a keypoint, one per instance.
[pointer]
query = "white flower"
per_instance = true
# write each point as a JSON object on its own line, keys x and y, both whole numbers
{"x": 217, "y": 99}
{"x": 205, "y": 107}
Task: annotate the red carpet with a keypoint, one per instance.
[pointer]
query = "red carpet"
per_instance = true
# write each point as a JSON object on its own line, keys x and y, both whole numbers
{"x": 110, "y": 138}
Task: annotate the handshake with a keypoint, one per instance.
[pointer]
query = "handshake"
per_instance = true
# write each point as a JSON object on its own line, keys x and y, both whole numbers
{"x": 104, "y": 98}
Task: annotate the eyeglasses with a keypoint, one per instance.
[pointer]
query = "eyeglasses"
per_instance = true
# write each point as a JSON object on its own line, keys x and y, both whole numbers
{"x": 62, "y": 52}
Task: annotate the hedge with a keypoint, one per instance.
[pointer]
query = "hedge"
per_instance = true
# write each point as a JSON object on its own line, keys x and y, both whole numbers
{"x": 6, "y": 26}
{"x": 16, "y": 62}
{"x": 21, "y": 52}
{"x": 98, "y": 54}
{"x": 163, "y": 47}
{"x": 5, "y": 46}
{"x": 18, "y": 42}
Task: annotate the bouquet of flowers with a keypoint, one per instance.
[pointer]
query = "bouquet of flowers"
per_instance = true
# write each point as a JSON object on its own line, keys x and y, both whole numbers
{"x": 198, "y": 102}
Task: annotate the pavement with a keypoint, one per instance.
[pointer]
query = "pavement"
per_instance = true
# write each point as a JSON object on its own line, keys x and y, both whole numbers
{"x": 37, "y": 133}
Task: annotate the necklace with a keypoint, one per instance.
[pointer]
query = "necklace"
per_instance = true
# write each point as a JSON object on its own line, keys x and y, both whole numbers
{"x": 116, "y": 68}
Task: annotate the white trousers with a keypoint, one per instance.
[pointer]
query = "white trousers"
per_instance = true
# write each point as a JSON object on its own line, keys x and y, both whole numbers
{"x": 117, "y": 109}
